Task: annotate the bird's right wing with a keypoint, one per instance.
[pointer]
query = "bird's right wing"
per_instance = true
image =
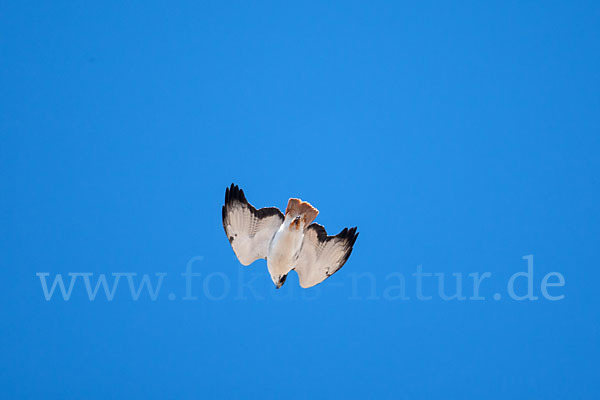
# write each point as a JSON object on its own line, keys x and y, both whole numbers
{"x": 321, "y": 255}
{"x": 249, "y": 230}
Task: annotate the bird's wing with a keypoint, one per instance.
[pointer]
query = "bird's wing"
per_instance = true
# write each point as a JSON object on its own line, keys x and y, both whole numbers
{"x": 321, "y": 255}
{"x": 249, "y": 230}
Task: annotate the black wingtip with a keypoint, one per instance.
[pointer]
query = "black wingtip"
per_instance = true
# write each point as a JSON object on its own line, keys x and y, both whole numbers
{"x": 353, "y": 235}
{"x": 234, "y": 193}
{"x": 350, "y": 236}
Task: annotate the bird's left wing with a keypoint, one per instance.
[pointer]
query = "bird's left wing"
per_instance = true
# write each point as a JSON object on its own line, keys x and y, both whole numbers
{"x": 321, "y": 255}
{"x": 249, "y": 230}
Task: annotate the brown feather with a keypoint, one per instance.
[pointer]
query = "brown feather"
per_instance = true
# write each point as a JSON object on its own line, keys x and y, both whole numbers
{"x": 297, "y": 207}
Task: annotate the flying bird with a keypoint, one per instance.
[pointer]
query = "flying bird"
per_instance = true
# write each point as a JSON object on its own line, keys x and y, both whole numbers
{"x": 288, "y": 242}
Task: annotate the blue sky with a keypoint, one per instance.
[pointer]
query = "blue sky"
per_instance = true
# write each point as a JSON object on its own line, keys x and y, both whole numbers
{"x": 458, "y": 137}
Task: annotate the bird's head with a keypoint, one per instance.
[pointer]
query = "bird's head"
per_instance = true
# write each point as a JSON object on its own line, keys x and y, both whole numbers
{"x": 279, "y": 280}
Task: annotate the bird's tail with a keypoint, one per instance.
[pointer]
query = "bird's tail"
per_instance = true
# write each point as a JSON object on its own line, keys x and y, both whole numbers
{"x": 297, "y": 207}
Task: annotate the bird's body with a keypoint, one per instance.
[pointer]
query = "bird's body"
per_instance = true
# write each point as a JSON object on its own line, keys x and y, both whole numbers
{"x": 286, "y": 242}
{"x": 284, "y": 249}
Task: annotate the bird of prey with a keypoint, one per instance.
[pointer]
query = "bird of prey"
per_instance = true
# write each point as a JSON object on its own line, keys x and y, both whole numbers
{"x": 288, "y": 242}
